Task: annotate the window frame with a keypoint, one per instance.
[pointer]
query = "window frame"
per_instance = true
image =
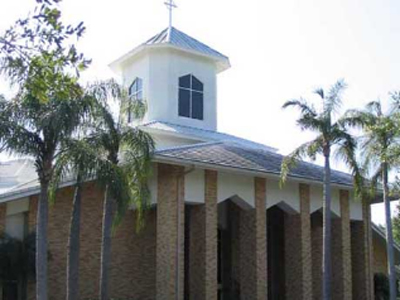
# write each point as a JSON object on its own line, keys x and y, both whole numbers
{"x": 191, "y": 91}
{"x": 133, "y": 96}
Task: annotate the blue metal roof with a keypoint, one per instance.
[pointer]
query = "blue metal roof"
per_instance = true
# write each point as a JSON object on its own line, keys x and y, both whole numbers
{"x": 179, "y": 39}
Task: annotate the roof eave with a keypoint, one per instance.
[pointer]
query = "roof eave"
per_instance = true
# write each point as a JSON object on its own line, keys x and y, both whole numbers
{"x": 222, "y": 63}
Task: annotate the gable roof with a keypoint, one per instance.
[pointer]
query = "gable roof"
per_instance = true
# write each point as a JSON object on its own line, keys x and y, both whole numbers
{"x": 201, "y": 134}
{"x": 172, "y": 37}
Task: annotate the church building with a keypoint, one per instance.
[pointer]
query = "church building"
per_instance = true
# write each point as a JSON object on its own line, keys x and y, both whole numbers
{"x": 220, "y": 226}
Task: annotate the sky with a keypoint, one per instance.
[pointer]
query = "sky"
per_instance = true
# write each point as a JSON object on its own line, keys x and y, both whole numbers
{"x": 278, "y": 50}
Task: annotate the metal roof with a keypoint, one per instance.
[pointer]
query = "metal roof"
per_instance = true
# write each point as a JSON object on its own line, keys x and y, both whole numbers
{"x": 179, "y": 39}
{"x": 202, "y": 134}
{"x": 175, "y": 38}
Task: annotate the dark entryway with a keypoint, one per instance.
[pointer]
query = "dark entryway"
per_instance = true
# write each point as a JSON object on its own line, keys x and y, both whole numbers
{"x": 276, "y": 253}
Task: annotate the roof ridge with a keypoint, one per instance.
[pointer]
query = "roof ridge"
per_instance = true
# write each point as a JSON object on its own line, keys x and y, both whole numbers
{"x": 205, "y": 130}
{"x": 185, "y": 147}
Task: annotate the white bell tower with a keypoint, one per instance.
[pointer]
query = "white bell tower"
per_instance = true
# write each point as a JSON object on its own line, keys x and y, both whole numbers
{"x": 177, "y": 77}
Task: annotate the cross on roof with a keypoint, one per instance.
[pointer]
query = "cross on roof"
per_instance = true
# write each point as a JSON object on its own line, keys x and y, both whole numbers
{"x": 170, "y": 4}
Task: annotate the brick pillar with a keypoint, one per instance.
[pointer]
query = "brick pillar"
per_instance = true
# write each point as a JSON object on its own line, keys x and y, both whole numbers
{"x": 170, "y": 189}
{"x": 3, "y": 210}
{"x": 33, "y": 203}
{"x": 253, "y": 246}
{"x": 341, "y": 243}
{"x": 361, "y": 256}
{"x": 298, "y": 250}
{"x": 203, "y": 243}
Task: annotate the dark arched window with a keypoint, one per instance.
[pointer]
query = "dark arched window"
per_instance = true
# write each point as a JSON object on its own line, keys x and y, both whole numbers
{"x": 135, "y": 94}
{"x": 190, "y": 97}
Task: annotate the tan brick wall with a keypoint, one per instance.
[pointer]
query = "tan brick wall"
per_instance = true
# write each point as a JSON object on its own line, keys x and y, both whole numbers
{"x": 341, "y": 250}
{"x": 298, "y": 249}
{"x": 361, "y": 250}
{"x": 3, "y": 211}
{"x": 133, "y": 264}
{"x": 316, "y": 240}
{"x": 211, "y": 238}
{"x": 380, "y": 258}
{"x": 169, "y": 188}
{"x": 261, "y": 238}
{"x": 203, "y": 243}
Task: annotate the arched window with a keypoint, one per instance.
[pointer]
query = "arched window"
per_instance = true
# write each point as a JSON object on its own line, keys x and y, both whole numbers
{"x": 135, "y": 94}
{"x": 190, "y": 97}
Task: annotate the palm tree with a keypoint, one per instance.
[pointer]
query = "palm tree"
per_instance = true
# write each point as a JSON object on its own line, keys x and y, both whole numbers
{"x": 119, "y": 157}
{"x": 380, "y": 142}
{"x": 329, "y": 134}
{"x": 77, "y": 160}
{"x": 32, "y": 127}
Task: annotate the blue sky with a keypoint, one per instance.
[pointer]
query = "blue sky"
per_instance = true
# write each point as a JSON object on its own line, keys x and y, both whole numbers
{"x": 278, "y": 50}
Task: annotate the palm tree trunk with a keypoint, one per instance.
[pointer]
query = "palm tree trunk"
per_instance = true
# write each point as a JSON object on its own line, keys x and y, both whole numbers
{"x": 74, "y": 245}
{"x": 389, "y": 233}
{"x": 326, "y": 246}
{"x": 106, "y": 244}
{"x": 41, "y": 242}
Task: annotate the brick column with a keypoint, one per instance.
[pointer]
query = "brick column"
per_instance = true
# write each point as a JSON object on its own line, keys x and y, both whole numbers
{"x": 341, "y": 243}
{"x": 253, "y": 246}
{"x": 203, "y": 243}
{"x": 361, "y": 251}
{"x": 170, "y": 189}
{"x": 3, "y": 210}
{"x": 33, "y": 203}
{"x": 298, "y": 250}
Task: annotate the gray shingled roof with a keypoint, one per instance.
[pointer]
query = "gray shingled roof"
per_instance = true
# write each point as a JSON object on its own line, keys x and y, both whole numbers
{"x": 231, "y": 155}
{"x": 203, "y": 134}
{"x": 179, "y": 39}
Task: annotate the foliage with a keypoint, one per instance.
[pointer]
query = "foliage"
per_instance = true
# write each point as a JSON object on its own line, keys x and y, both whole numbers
{"x": 330, "y": 132}
{"x": 380, "y": 139}
{"x": 381, "y": 285}
{"x": 17, "y": 258}
{"x": 396, "y": 225}
{"x": 42, "y": 46}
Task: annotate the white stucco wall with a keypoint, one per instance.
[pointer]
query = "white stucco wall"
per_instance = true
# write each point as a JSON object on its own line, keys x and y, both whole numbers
{"x": 289, "y": 194}
{"x": 240, "y": 188}
{"x": 160, "y": 69}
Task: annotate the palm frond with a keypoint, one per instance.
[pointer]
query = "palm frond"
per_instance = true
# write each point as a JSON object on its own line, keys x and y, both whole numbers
{"x": 302, "y": 105}
{"x": 306, "y": 150}
{"x": 333, "y": 101}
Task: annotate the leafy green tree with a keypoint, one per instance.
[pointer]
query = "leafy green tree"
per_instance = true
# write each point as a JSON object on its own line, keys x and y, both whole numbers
{"x": 330, "y": 133}
{"x": 39, "y": 56}
{"x": 380, "y": 152}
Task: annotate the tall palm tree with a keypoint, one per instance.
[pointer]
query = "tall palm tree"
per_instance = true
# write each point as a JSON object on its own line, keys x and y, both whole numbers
{"x": 76, "y": 161}
{"x": 32, "y": 127}
{"x": 123, "y": 165}
{"x": 330, "y": 134}
{"x": 380, "y": 142}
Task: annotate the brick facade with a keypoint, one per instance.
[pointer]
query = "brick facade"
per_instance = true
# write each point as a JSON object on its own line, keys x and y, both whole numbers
{"x": 169, "y": 254}
{"x": 252, "y": 244}
{"x": 133, "y": 254}
{"x": 341, "y": 249}
{"x": 144, "y": 264}
{"x": 298, "y": 249}
{"x": 203, "y": 243}
{"x": 361, "y": 256}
